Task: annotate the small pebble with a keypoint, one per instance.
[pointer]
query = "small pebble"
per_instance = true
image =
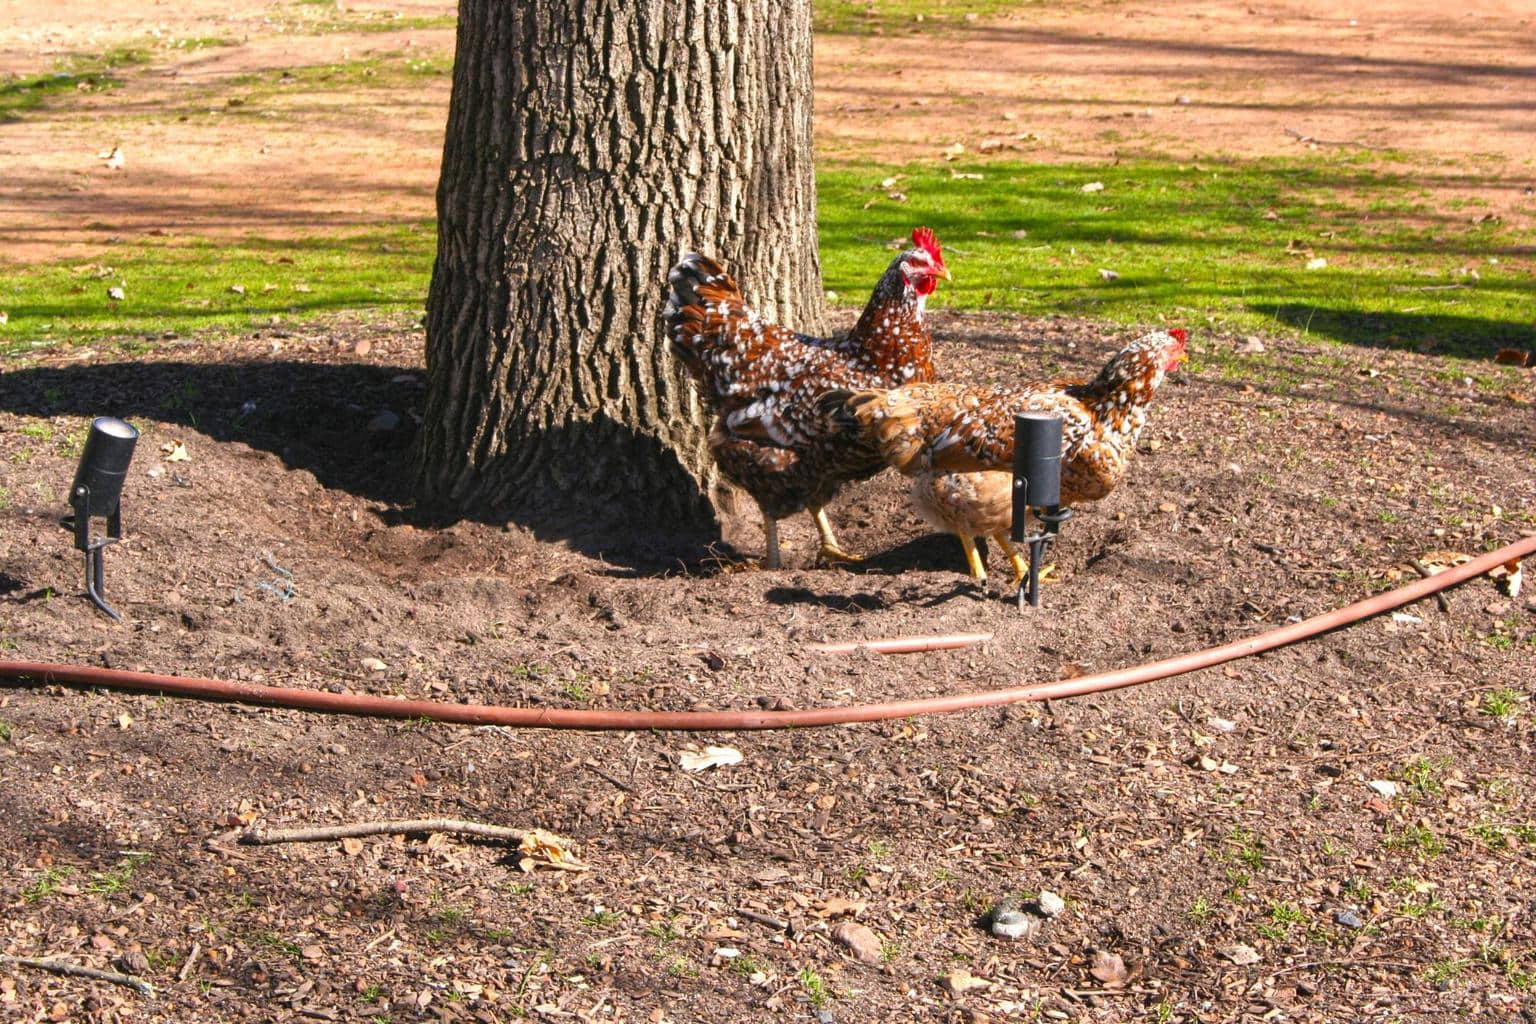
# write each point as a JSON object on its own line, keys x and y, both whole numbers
{"x": 1049, "y": 903}
{"x": 1383, "y": 787}
{"x": 1012, "y": 924}
{"x": 1348, "y": 918}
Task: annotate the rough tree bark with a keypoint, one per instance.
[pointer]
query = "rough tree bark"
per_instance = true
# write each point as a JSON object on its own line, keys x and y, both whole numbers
{"x": 588, "y": 145}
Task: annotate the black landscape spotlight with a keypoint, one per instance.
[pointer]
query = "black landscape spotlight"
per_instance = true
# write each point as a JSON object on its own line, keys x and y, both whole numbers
{"x": 1037, "y": 488}
{"x": 97, "y": 491}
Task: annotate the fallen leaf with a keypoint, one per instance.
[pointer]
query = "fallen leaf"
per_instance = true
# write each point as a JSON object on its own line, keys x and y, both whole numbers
{"x": 838, "y": 906}
{"x": 541, "y": 847}
{"x": 1094, "y": 186}
{"x": 124, "y": 720}
{"x": 1108, "y": 275}
{"x": 1241, "y": 954}
{"x": 175, "y": 451}
{"x": 1316, "y": 263}
{"x": 1109, "y": 968}
{"x": 960, "y": 981}
{"x": 1385, "y": 788}
{"x": 712, "y": 757}
{"x": 352, "y": 846}
{"x": 1439, "y": 561}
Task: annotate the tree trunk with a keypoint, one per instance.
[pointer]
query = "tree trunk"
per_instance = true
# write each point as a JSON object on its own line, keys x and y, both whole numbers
{"x": 588, "y": 145}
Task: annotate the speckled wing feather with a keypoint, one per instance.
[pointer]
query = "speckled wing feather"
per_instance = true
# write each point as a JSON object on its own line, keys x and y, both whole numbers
{"x": 949, "y": 428}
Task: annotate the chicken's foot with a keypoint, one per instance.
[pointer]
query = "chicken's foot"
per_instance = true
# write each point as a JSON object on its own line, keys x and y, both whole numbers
{"x": 1015, "y": 558}
{"x": 830, "y": 551}
{"x": 973, "y": 558}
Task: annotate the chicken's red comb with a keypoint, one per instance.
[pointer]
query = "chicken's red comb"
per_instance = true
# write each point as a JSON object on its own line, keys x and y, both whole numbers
{"x": 926, "y": 239}
{"x": 1180, "y": 335}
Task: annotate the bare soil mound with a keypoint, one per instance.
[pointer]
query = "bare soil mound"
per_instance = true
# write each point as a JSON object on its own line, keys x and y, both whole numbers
{"x": 1214, "y": 833}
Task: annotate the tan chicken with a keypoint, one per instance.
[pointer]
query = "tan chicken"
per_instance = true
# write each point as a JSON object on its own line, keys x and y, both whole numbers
{"x": 956, "y": 441}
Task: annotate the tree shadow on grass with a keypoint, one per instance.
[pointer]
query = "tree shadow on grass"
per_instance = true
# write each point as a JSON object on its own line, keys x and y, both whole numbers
{"x": 1437, "y": 333}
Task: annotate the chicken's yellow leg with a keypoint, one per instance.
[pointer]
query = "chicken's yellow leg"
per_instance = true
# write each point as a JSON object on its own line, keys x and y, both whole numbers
{"x": 973, "y": 557}
{"x": 1017, "y": 560}
{"x": 829, "y": 550}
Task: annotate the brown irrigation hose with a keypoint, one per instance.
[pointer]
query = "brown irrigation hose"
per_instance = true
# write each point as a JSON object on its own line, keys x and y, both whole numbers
{"x": 579, "y": 718}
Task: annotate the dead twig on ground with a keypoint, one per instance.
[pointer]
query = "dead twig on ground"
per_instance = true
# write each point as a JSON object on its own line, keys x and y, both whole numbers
{"x": 1401, "y": 965}
{"x": 186, "y": 968}
{"x": 266, "y": 837}
{"x": 777, "y": 923}
{"x": 1312, "y": 139}
{"x": 1425, "y": 571}
{"x": 143, "y": 988}
{"x": 903, "y": 644}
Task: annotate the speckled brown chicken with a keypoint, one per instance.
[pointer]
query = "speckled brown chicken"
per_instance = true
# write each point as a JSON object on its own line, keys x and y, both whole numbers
{"x": 750, "y": 370}
{"x": 956, "y": 441}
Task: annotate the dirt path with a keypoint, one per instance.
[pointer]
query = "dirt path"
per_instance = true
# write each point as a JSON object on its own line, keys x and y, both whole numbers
{"x": 207, "y": 150}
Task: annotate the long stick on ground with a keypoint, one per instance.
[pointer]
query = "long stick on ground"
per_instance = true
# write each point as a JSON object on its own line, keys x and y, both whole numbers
{"x": 143, "y": 988}
{"x": 266, "y": 837}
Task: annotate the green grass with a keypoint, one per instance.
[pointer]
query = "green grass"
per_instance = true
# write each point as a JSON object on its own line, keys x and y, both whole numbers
{"x": 46, "y": 884}
{"x": 1192, "y": 244}
{"x": 860, "y": 16}
{"x": 199, "y": 285}
{"x": 397, "y": 69}
{"x": 80, "y": 73}
{"x": 814, "y": 986}
{"x": 1215, "y": 243}
{"x": 322, "y": 17}
{"x": 115, "y": 881}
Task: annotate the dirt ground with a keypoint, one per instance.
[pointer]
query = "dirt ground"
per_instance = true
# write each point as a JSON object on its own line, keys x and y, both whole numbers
{"x": 270, "y": 554}
{"x": 1217, "y": 839}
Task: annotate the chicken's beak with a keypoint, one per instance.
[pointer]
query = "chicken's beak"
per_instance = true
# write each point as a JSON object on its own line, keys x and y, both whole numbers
{"x": 945, "y": 274}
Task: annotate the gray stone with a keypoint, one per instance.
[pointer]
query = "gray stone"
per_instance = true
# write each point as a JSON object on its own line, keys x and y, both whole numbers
{"x": 1049, "y": 903}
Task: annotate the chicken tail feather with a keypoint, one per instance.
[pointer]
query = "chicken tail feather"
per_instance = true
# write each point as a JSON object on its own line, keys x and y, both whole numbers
{"x": 702, "y": 302}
